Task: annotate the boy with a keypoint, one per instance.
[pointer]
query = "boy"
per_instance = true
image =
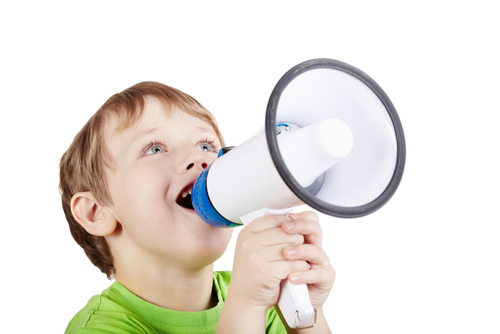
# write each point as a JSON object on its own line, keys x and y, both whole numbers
{"x": 123, "y": 181}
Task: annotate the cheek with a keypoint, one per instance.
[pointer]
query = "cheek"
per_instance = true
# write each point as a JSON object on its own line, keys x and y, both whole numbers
{"x": 139, "y": 195}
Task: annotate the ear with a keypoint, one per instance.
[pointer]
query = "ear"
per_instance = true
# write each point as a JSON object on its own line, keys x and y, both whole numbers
{"x": 94, "y": 218}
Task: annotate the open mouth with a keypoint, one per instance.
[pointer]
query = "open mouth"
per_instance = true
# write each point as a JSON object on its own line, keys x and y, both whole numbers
{"x": 184, "y": 198}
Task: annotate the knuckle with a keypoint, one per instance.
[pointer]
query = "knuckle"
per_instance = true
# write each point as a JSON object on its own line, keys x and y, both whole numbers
{"x": 315, "y": 251}
{"x": 253, "y": 257}
{"x": 271, "y": 219}
{"x": 311, "y": 215}
{"x": 294, "y": 239}
{"x": 245, "y": 244}
{"x": 318, "y": 226}
{"x": 329, "y": 275}
{"x": 314, "y": 216}
{"x": 282, "y": 270}
{"x": 277, "y": 220}
{"x": 245, "y": 233}
{"x": 300, "y": 266}
{"x": 321, "y": 252}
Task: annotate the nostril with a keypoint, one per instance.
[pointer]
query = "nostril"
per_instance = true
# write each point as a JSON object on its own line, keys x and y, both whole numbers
{"x": 190, "y": 166}
{"x": 204, "y": 165}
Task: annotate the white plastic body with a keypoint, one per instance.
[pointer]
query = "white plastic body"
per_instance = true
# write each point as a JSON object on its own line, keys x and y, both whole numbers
{"x": 244, "y": 183}
{"x": 294, "y": 298}
{"x": 246, "y": 180}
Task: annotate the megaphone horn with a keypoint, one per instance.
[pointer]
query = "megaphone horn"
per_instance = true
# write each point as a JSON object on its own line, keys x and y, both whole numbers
{"x": 332, "y": 140}
{"x": 325, "y": 88}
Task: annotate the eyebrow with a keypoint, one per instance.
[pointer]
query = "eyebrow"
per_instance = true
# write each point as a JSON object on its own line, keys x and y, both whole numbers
{"x": 204, "y": 129}
{"x": 143, "y": 134}
{"x": 153, "y": 130}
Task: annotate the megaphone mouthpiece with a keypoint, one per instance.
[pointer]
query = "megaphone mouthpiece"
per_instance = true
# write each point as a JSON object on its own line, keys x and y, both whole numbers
{"x": 310, "y": 151}
{"x": 336, "y": 137}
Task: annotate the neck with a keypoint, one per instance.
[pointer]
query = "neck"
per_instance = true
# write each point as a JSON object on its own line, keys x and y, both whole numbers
{"x": 172, "y": 288}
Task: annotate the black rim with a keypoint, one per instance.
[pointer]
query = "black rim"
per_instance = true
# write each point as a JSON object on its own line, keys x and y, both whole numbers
{"x": 322, "y": 206}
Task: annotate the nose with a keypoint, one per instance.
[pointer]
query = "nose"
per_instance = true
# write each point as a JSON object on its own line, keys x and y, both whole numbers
{"x": 191, "y": 165}
{"x": 192, "y": 160}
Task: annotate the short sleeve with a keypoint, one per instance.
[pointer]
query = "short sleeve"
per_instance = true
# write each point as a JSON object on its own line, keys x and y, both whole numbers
{"x": 273, "y": 323}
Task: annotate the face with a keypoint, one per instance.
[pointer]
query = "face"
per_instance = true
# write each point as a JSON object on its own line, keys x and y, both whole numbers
{"x": 157, "y": 162}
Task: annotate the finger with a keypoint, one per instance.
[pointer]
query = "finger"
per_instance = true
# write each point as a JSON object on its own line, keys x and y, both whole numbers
{"x": 307, "y": 252}
{"x": 323, "y": 277}
{"x": 310, "y": 228}
{"x": 283, "y": 269}
{"x": 267, "y": 222}
{"x": 276, "y": 236}
{"x": 309, "y": 215}
{"x": 276, "y": 253}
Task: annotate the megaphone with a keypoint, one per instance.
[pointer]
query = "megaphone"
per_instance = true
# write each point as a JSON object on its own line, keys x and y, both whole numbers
{"x": 332, "y": 140}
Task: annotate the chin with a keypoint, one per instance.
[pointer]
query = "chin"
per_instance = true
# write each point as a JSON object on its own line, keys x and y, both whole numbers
{"x": 214, "y": 240}
{"x": 204, "y": 254}
{"x": 206, "y": 239}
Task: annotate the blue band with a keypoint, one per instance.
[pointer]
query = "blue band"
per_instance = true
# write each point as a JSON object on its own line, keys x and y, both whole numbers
{"x": 203, "y": 206}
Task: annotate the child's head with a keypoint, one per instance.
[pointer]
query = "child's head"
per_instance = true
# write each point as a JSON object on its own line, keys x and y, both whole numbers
{"x": 116, "y": 162}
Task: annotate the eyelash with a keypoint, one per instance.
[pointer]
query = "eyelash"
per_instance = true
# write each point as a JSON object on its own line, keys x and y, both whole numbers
{"x": 152, "y": 144}
{"x": 210, "y": 142}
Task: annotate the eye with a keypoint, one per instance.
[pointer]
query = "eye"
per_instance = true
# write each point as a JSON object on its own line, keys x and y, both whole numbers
{"x": 205, "y": 147}
{"x": 153, "y": 149}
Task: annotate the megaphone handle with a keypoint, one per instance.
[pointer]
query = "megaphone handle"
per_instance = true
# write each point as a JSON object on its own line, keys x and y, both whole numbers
{"x": 294, "y": 302}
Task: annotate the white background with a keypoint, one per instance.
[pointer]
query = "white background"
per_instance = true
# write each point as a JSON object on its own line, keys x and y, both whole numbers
{"x": 428, "y": 261}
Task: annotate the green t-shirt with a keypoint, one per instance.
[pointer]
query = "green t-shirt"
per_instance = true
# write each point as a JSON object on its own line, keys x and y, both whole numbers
{"x": 119, "y": 311}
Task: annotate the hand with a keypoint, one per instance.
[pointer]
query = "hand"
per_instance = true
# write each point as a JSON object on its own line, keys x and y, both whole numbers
{"x": 321, "y": 275}
{"x": 260, "y": 264}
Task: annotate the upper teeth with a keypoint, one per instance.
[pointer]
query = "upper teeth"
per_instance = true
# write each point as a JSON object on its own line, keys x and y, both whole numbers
{"x": 185, "y": 193}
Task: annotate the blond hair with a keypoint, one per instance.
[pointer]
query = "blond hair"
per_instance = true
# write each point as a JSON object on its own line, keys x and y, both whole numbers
{"x": 83, "y": 166}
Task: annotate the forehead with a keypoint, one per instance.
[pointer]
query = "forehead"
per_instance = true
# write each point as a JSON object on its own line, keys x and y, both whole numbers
{"x": 129, "y": 126}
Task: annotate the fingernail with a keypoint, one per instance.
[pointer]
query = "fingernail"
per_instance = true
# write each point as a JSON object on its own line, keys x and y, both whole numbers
{"x": 294, "y": 279}
{"x": 294, "y": 216}
{"x": 291, "y": 252}
{"x": 290, "y": 225}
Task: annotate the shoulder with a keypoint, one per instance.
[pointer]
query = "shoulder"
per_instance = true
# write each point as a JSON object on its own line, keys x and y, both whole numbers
{"x": 106, "y": 313}
{"x": 222, "y": 276}
{"x": 221, "y": 282}
{"x": 273, "y": 322}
